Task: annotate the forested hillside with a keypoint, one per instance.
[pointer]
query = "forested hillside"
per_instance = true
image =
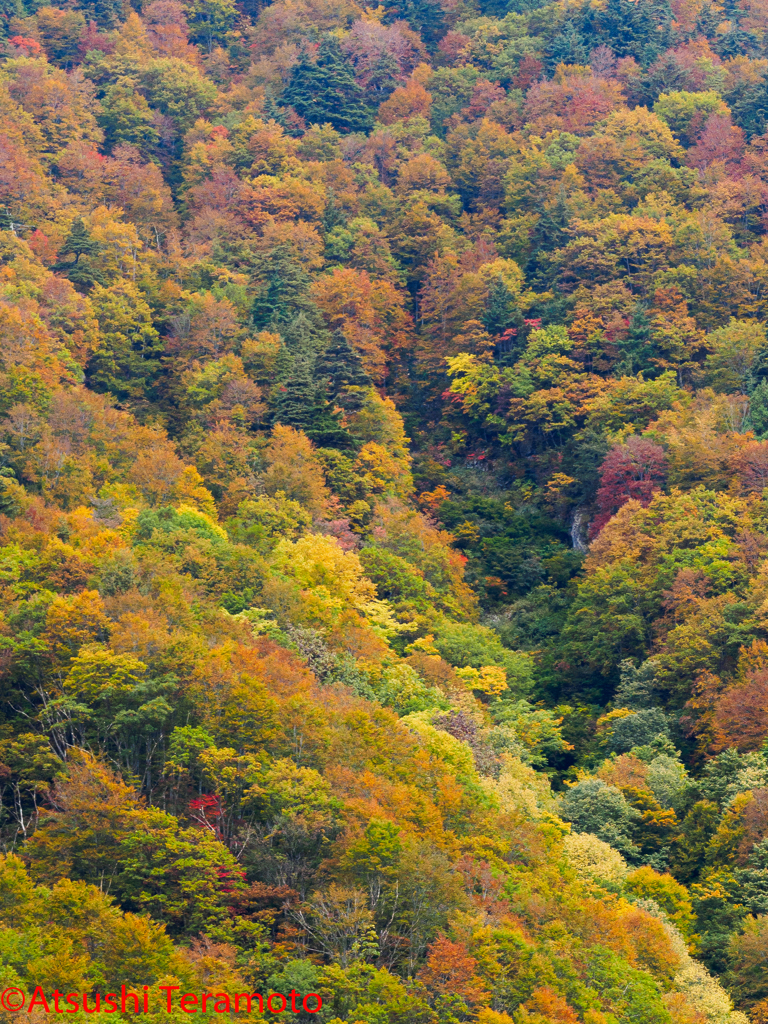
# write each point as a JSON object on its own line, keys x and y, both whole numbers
{"x": 384, "y": 506}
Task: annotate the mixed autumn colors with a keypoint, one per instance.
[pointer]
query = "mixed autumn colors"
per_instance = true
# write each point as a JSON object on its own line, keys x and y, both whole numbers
{"x": 384, "y": 506}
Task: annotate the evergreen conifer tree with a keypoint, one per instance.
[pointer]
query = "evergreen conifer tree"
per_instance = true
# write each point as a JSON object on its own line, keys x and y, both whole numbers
{"x": 758, "y": 409}
{"x": 274, "y": 112}
{"x": 550, "y": 233}
{"x": 642, "y": 31}
{"x": 11, "y": 9}
{"x": 305, "y": 331}
{"x": 638, "y": 346}
{"x": 568, "y": 47}
{"x": 340, "y": 370}
{"x": 333, "y": 215}
{"x": 737, "y": 42}
{"x": 308, "y": 388}
{"x": 7, "y": 222}
{"x": 501, "y": 313}
{"x": 284, "y": 290}
{"x": 426, "y": 17}
{"x": 294, "y": 396}
{"x": 299, "y": 401}
{"x": 82, "y": 245}
{"x": 106, "y": 13}
{"x": 324, "y": 91}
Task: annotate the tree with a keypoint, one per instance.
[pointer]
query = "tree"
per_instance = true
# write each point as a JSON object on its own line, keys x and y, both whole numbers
{"x": 672, "y": 897}
{"x": 370, "y": 313}
{"x": 184, "y": 877}
{"x": 126, "y": 117}
{"x": 629, "y": 31}
{"x": 126, "y": 362}
{"x": 263, "y": 520}
{"x": 636, "y": 345}
{"x": 177, "y": 90}
{"x": 283, "y": 296}
{"x": 374, "y": 857}
{"x": 341, "y": 368}
{"x": 425, "y": 17}
{"x": 210, "y": 21}
{"x": 546, "y": 1004}
{"x": 758, "y": 408}
{"x": 630, "y": 471}
{"x": 405, "y": 102}
{"x": 339, "y": 925}
{"x": 746, "y": 954}
{"x": 167, "y": 28}
{"x": 299, "y": 401}
{"x": 686, "y": 113}
{"x": 82, "y": 928}
{"x": 450, "y": 970}
{"x": 502, "y": 316}
{"x": 638, "y": 729}
{"x": 293, "y": 469}
{"x": 318, "y": 563}
{"x": 734, "y": 351}
{"x": 80, "y": 838}
{"x": 637, "y": 687}
{"x": 568, "y": 46}
{"x": 382, "y": 56}
{"x": 740, "y": 717}
{"x": 81, "y": 244}
{"x": 71, "y": 622}
{"x": 323, "y": 90}
{"x": 112, "y": 701}
{"x": 29, "y": 769}
{"x": 106, "y": 13}
{"x": 60, "y": 33}
{"x": 720, "y": 143}
{"x": 594, "y": 807}
{"x": 208, "y": 328}
{"x": 572, "y": 100}
{"x": 698, "y": 827}
{"x": 593, "y": 860}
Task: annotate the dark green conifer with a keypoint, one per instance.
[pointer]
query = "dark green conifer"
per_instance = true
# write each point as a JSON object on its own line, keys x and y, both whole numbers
{"x": 568, "y": 47}
{"x": 426, "y": 17}
{"x": 637, "y": 348}
{"x": 333, "y": 215}
{"x": 382, "y": 79}
{"x": 11, "y": 9}
{"x": 7, "y": 222}
{"x": 299, "y": 401}
{"x": 340, "y": 370}
{"x": 550, "y": 233}
{"x": 274, "y": 112}
{"x": 324, "y": 90}
{"x": 642, "y": 31}
{"x": 83, "y": 246}
{"x": 283, "y": 292}
{"x": 305, "y": 332}
{"x": 501, "y": 313}
{"x": 106, "y": 13}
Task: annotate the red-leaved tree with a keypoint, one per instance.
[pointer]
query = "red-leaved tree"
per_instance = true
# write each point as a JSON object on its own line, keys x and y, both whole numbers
{"x": 632, "y": 470}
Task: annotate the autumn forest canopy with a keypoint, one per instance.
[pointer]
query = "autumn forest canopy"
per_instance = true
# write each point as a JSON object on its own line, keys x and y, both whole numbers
{"x": 384, "y": 506}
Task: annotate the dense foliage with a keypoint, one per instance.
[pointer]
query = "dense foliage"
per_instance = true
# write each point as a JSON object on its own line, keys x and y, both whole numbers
{"x": 383, "y": 508}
